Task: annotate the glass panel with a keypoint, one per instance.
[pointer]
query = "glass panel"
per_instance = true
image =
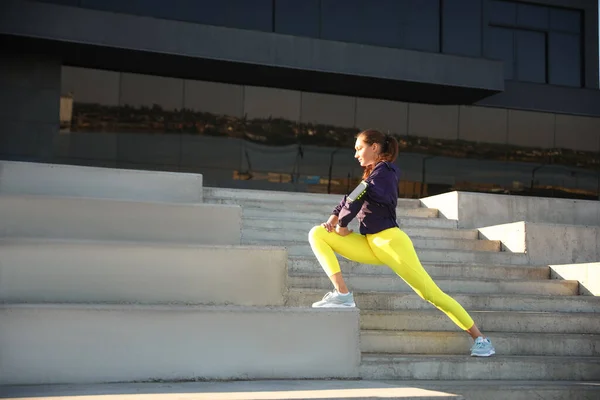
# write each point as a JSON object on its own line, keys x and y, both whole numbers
{"x": 267, "y": 138}
{"x": 565, "y": 20}
{"x": 529, "y": 16}
{"x": 500, "y": 46}
{"x": 531, "y": 56}
{"x": 297, "y": 17}
{"x": 564, "y": 59}
{"x": 503, "y": 12}
{"x": 462, "y": 27}
{"x": 433, "y": 121}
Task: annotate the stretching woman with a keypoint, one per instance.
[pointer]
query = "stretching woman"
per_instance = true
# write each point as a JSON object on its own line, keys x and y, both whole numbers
{"x": 380, "y": 242}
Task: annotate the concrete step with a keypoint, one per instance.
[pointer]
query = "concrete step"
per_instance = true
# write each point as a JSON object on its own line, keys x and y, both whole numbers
{"x": 312, "y": 208}
{"x": 306, "y": 226}
{"x": 58, "y": 343}
{"x": 121, "y": 272}
{"x": 300, "y": 247}
{"x": 426, "y": 255}
{"x": 292, "y": 220}
{"x": 302, "y": 265}
{"x": 480, "y": 302}
{"x": 114, "y": 220}
{"x": 487, "y": 321}
{"x": 444, "y": 367}
{"x": 512, "y": 389}
{"x": 292, "y": 197}
{"x": 319, "y": 390}
{"x": 378, "y": 283}
{"x": 25, "y": 178}
{"x": 279, "y": 213}
{"x": 300, "y": 236}
{"x": 506, "y": 343}
{"x": 237, "y": 390}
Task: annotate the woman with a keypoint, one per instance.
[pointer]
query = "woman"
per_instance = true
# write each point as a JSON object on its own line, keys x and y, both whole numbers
{"x": 380, "y": 240}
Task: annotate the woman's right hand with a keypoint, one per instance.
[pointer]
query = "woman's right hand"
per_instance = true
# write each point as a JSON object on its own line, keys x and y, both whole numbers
{"x": 331, "y": 223}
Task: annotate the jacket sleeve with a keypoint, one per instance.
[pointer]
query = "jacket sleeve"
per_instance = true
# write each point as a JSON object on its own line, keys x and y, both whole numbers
{"x": 338, "y": 208}
{"x": 349, "y": 211}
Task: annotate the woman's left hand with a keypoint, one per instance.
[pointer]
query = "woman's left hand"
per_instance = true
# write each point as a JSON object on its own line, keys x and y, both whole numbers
{"x": 342, "y": 231}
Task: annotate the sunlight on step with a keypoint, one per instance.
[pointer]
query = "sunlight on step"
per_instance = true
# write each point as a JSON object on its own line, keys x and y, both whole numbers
{"x": 258, "y": 390}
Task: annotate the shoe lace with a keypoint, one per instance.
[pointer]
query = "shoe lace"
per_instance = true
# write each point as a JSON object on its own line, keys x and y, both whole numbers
{"x": 480, "y": 344}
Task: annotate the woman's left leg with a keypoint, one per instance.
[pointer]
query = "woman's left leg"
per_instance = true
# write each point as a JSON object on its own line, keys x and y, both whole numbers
{"x": 394, "y": 248}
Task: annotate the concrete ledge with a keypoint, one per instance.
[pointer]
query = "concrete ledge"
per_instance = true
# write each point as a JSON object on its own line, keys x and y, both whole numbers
{"x": 36, "y": 271}
{"x": 475, "y": 210}
{"x": 113, "y": 220}
{"x": 107, "y": 183}
{"x": 47, "y": 344}
{"x": 548, "y": 243}
{"x": 588, "y": 276}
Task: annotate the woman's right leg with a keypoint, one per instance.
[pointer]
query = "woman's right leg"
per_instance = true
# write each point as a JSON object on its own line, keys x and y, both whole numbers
{"x": 353, "y": 247}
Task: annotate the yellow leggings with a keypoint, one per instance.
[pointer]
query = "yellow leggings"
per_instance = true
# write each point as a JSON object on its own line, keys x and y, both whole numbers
{"x": 391, "y": 247}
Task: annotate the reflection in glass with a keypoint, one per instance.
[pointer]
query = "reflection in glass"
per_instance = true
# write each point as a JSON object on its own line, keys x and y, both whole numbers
{"x": 279, "y": 153}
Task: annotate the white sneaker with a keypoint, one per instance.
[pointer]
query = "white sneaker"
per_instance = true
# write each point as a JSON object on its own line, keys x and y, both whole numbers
{"x": 335, "y": 299}
{"x": 482, "y": 348}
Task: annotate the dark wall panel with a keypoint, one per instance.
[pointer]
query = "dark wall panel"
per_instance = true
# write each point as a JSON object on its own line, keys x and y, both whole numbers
{"x": 530, "y": 16}
{"x": 462, "y": 27}
{"x": 531, "y": 56}
{"x": 564, "y": 55}
{"x": 379, "y": 22}
{"x": 500, "y": 46}
{"x": 502, "y": 12}
{"x": 565, "y": 20}
{"x": 62, "y": 2}
{"x": 256, "y": 15}
{"x": 423, "y": 25}
{"x": 409, "y": 24}
{"x": 297, "y": 17}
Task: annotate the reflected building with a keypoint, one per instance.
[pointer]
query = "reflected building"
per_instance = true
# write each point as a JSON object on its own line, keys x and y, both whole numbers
{"x": 483, "y": 95}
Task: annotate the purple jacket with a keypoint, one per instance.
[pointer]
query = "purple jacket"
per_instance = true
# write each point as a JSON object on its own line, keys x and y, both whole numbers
{"x": 376, "y": 210}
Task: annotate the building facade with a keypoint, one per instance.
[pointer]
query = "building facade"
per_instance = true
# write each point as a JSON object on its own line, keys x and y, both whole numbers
{"x": 483, "y": 95}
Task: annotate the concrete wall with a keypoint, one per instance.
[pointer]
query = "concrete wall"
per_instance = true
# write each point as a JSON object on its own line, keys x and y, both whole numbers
{"x": 50, "y": 271}
{"x": 29, "y": 105}
{"x": 588, "y": 276}
{"x": 547, "y": 244}
{"x": 45, "y": 344}
{"x": 475, "y": 210}
{"x": 101, "y": 183}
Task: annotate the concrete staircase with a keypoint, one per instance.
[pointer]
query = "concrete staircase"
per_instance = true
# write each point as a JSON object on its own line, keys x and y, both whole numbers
{"x": 126, "y": 276}
{"x": 547, "y": 336}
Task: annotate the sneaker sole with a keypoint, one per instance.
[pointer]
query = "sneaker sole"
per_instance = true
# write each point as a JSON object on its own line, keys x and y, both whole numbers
{"x": 490, "y": 353}
{"x": 336, "y": 306}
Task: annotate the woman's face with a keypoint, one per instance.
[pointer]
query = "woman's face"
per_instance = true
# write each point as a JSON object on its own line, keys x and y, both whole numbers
{"x": 366, "y": 154}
